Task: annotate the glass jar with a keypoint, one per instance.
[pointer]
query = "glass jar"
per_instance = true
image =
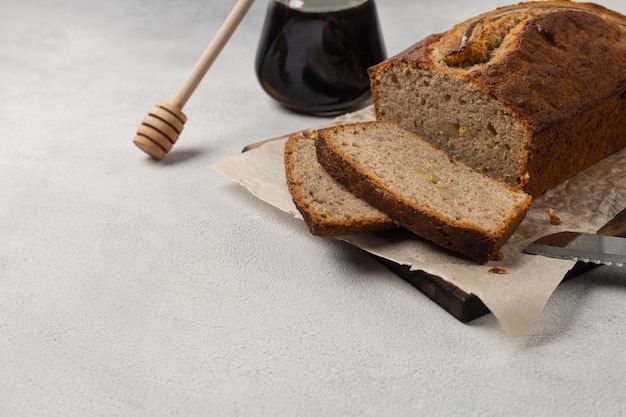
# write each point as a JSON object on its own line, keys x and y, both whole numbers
{"x": 313, "y": 55}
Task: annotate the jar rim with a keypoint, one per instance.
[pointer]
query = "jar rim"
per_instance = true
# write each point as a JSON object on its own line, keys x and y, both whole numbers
{"x": 319, "y": 6}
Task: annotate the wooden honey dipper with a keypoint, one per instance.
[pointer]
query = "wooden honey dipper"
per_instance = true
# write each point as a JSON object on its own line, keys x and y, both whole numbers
{"x": 161, "y": 128}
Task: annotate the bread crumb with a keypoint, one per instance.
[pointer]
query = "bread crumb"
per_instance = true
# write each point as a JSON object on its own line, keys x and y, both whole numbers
{"x": 497, "y": 256}
{"x": 498, "y": 270}
{"x": 554, "y": 219}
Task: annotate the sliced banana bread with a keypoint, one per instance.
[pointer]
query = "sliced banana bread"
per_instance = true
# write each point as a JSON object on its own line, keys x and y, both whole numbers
{"x": 327, "y": 207}
{"x": 422, "y": 188}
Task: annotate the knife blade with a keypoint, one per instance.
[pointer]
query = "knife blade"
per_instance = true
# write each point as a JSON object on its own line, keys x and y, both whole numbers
{"x": 607, "y": 247}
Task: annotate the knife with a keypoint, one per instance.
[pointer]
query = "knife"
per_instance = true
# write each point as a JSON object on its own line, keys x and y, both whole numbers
{"x": 607, "y": 246}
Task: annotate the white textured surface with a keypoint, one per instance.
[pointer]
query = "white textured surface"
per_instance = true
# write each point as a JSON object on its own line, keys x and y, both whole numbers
{"x": 132, "y": 288}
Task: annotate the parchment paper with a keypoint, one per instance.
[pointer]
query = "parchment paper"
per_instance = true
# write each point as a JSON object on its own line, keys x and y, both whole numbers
{"x": 583, "y": 203}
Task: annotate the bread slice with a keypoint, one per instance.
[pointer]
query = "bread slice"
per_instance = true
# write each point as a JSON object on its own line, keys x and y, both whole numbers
{"x": 327, "y": 207}
{"x": 522, "y": 93}
{"x": 422, "y": 188}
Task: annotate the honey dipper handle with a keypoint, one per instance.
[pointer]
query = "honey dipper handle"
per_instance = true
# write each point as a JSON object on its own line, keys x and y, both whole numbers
{"x": 212, "y": 51}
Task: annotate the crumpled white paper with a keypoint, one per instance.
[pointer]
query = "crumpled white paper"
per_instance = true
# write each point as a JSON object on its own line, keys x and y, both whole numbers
{"x": 583, "y": 203}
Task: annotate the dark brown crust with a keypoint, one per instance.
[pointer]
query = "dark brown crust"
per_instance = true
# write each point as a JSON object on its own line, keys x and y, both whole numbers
{"x": 475, "y": 244}
{"x": 563, "y": 76}
{"x": 559, "y": 72}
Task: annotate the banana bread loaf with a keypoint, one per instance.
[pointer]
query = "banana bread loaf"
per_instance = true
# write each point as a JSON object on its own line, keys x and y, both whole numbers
{"x": 422, "y": 188}
{"x": 327, "y": 207}
{"x": 530, "y": 94}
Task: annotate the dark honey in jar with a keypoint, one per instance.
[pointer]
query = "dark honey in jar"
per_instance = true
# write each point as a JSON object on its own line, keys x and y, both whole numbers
{"x": 313, "y": 54}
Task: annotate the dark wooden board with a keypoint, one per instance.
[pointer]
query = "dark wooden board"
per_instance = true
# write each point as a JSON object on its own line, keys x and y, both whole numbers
{"x": 463, "y": 306}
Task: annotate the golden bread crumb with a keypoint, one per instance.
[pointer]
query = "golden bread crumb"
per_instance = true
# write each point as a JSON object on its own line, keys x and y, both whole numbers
{"x": 554, "y": 219}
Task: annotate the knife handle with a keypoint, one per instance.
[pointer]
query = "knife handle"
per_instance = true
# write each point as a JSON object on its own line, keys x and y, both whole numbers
{"x": 615, "y": 227}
